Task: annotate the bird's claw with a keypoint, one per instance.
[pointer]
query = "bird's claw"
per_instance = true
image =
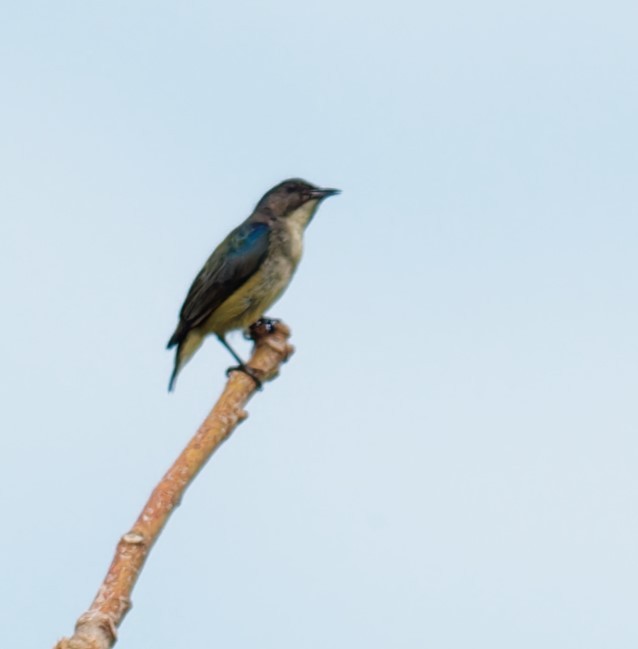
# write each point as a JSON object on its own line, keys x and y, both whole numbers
{"x": 246, "y": 370}
{"x": 262, "y": 327}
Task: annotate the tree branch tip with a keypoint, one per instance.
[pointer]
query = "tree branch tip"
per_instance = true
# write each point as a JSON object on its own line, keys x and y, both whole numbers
{"x": 280, "y": 346}
{"x": 262, "y": 330}
{"x": 290, "y": 350}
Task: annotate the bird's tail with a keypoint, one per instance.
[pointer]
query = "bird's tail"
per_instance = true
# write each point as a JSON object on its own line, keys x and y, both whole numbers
{"x": 174, "y": 373}
{"x": 178, "y": 336}
{"x": 185, "y": 350}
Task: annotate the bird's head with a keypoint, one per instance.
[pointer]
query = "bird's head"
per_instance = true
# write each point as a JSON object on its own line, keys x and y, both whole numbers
{"x": 287, "y": 197}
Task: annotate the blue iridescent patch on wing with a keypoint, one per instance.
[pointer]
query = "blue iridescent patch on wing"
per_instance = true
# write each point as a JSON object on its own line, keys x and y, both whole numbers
{"x": 250, "y": 239}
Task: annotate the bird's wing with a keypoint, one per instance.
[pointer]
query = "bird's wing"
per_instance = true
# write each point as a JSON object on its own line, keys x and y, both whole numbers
{"x": 232, "y": 263}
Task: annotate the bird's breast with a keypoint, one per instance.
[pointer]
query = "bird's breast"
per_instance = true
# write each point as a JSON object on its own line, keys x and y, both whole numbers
{"x": 295, "y": 246}
{"x": 294, "y": 226}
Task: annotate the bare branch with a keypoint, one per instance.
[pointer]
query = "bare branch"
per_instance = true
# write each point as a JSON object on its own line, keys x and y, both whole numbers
{"x": 97, "y": 628}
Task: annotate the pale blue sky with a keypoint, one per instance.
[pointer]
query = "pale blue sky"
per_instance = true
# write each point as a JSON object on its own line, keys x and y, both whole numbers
{"x": 449, "y": 460}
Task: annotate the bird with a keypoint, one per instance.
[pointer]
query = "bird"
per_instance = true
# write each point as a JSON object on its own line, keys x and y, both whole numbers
{"x": 247, "y": 272}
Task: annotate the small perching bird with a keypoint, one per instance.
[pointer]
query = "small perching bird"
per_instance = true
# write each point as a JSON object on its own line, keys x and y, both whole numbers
{"x": 248, "y": 271}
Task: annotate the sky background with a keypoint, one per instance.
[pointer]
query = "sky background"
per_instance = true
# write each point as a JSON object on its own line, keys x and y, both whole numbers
{"x": 449, "y": 459}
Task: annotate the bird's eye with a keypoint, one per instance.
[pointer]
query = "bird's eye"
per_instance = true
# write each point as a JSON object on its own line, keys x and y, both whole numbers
{"x": 291, "y": 189}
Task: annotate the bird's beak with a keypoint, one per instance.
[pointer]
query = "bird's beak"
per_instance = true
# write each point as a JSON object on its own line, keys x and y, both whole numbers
{"x": 322, "y": 193}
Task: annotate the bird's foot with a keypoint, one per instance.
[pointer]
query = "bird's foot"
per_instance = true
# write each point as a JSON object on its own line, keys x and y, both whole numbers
{"x": 262, "y": 327}
{"x": 246, "y": 370}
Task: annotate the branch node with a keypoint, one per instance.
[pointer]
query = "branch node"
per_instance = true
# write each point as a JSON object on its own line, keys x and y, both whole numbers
{"x": 134, "y": 538}
{"x": 92, "y": 630}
